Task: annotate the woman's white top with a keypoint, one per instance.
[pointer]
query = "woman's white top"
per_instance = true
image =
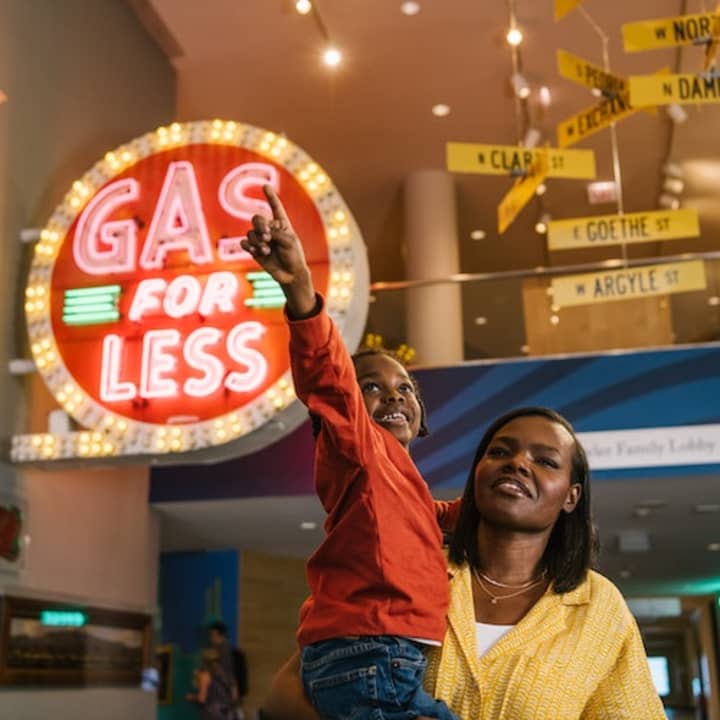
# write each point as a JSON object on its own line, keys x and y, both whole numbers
{"x": 488, "y": 635}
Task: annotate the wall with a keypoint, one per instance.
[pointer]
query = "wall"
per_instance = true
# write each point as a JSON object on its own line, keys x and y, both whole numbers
{"x": 271, "y": 591}
{"x": 81, "y": 77}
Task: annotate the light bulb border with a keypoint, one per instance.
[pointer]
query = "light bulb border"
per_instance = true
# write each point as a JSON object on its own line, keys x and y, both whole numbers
{"x": 109, "y": 433}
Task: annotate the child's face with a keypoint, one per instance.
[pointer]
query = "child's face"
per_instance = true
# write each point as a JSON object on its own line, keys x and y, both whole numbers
{"x": 389, "y": 396}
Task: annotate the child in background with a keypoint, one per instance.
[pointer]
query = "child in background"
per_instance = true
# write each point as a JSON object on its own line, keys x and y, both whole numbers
{"x": 378, "y": 581}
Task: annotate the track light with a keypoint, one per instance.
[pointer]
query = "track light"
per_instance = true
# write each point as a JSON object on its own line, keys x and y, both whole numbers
{"x": 332, "y": 57}
{"x": 669, "y": 201}
{"x": 520, "y": 85}
{"x": 514, "y": 36}
{"x": 676, "y": 113}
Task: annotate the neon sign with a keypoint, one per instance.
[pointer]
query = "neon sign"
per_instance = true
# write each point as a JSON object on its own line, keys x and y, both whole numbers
{"x": 151, "y": 326}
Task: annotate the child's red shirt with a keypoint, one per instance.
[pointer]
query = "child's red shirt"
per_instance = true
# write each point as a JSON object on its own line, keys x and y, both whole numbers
{"x": 380, "y": 569}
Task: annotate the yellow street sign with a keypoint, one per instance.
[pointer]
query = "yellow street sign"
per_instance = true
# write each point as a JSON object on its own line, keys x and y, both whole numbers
{"x": 670, "y": 32}
{"x": 522, "y": 192}
{"x": 675, "y": 89}
{"x": 712, "y": 48}
{"x": 563, "y": 7}
{"x": 602, "y": 230}
{"x": 585, "y": 73}
{"x": 594, "y": 119}
{"x": 515, "y": 160}
{"x": 634, "y": 282}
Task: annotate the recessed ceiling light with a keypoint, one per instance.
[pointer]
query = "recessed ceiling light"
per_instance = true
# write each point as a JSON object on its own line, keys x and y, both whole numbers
{"x": 478, "y": 235}
{"x": 440, "y": 110}
{"x": 541, "y": 189}
{"x": 714, "y": 547}
{"x": 514, "y": 36}
{"x": 714, "y": 301}
{"x": 641, "y": 512}
{"x": 481, "y": 320}
{"x": 332, "y": 57}
{"x": 410, "y": 8}
{"x": 308, "y": 525}
{"x": 303, "y": 6}
{"x": 554, "y": 319}
{"x": 525, "y": 349}
{"x": 544, "y": 96}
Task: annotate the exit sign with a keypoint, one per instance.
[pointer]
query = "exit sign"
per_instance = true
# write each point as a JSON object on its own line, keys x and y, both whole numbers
{"x": 63, "y": 618}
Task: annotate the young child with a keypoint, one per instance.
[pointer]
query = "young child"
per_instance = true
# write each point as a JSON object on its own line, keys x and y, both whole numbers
{"x": 378, "y": 581}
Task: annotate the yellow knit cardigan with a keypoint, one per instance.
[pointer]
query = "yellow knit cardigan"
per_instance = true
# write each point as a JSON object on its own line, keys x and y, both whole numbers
{"x": 577, "y": 656}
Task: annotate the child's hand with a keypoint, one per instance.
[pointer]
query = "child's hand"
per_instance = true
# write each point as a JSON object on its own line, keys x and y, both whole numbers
{"x": 274, "y": 244}
{"x": 278, "y": 251}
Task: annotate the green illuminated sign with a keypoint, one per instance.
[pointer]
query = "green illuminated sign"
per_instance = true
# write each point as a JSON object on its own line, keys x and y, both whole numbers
{"x": 63, "y": 618}
{"x": 91, "y": 306}
{"x": 266, "y": 292}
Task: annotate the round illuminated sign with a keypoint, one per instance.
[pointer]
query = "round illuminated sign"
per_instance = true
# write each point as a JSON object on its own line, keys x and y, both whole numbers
{"x": 149, "y": 323}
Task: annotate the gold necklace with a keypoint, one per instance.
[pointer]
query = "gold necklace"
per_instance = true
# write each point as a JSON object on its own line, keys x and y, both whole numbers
{"x": 495, "y": 598}
{"x": 525, "y": 585}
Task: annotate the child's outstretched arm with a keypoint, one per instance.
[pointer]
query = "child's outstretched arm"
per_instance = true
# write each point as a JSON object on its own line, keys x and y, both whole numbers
{"x": 323, "y": 371}
{"x": 277, "y": 249}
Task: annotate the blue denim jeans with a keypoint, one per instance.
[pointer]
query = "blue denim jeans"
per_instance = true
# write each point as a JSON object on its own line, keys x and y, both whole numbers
{"x": 369, "y": 678}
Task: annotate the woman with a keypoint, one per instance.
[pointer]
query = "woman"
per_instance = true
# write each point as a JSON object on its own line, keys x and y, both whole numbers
{"x": 214, "y": 694}
{"x": 533, "y": 633}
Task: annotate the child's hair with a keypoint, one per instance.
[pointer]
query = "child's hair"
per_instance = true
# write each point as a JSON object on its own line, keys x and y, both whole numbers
{"x": 423, "y": 430}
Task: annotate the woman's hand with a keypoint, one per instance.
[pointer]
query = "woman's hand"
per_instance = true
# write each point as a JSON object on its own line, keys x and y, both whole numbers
{"x": 278, "y": 250}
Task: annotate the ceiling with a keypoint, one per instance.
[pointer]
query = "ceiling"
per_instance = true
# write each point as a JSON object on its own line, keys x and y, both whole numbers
{"x": 369, "y": 123}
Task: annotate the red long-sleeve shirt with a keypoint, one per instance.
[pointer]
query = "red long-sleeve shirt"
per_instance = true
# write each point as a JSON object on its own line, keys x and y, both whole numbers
{"x": 380, "y": 569}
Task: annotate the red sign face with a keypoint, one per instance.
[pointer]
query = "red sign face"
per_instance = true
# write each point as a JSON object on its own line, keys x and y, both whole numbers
{"x": 171, "y": 334}
{"x": 156, "y": 316}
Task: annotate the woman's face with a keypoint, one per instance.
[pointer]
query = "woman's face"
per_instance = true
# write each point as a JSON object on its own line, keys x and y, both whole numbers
{"x": 523, "y": 480}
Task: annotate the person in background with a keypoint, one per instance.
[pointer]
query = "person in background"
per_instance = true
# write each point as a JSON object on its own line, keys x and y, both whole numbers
{"x": 214, "y": 689}
{"x": 217, "y": 636}
{"x": 378, "y": 581}
{"x": 533, "y": 632}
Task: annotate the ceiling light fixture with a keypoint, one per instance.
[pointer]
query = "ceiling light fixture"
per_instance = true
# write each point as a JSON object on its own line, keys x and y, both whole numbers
{"x": 514, "y": 36}
{"x": 332, "y": 57}
{"x": 532, "y": 138}
{"x": 410, "y": 8}
{"x": 676, "y": 113}
{"x": 481, "y": 320}
{"x": 541, "y": 189}
{"x": 707, "y": 507}
{"x": 673, "y": 185}
{"x": 441, "y": 110}
{"x": 669, "y": 201}
{"x": 520, "y": 85}
{"x": 554, "y": 319}
{"x": 713, "y": 301}
{"x": 544, "y": 96}
{"x": 303, "y": 6}
{"x": 541, "y": 226}
{"x": 478, "y": 235}
{"x": 714, "y": 547}
{"x": 308, "y": 525}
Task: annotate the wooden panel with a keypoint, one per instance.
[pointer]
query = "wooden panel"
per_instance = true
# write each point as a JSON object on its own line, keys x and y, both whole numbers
{"x": 272, "y": 589}
{"x": 644, "y": 322}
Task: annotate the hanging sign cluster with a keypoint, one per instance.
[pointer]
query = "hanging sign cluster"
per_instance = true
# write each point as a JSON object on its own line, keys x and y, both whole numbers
{"x": 685, "y": 88}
